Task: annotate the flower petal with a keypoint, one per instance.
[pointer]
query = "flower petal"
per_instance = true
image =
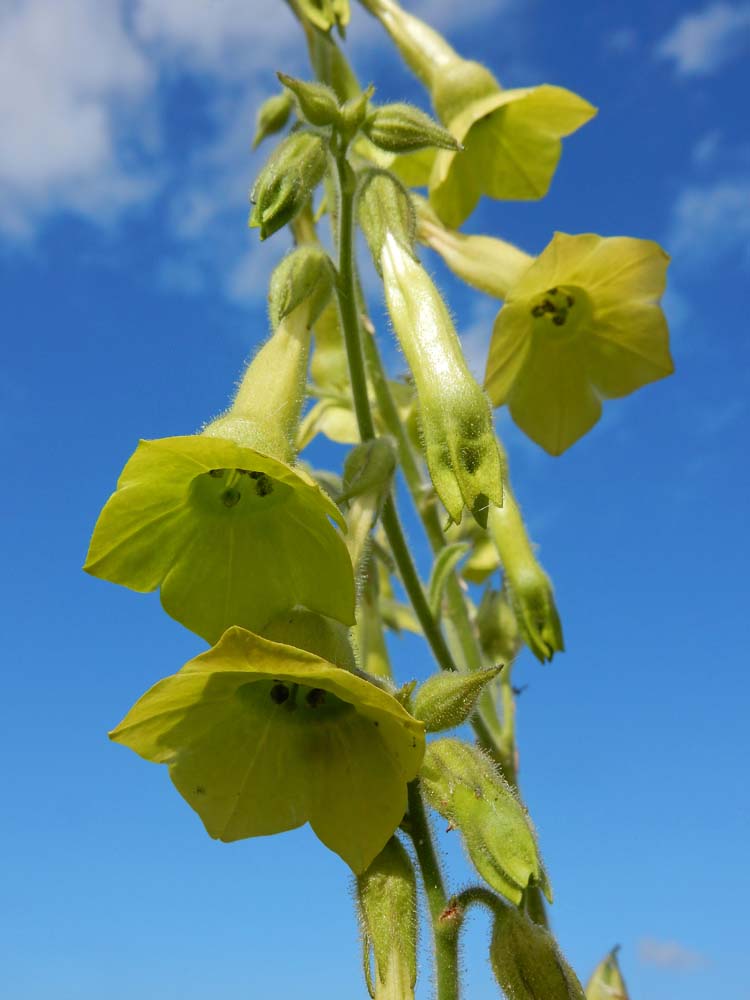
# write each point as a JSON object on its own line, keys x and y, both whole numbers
{"x": 629, "y": 348}
{"x": 251, "y": 765}
{"x": 509, "y": 346}
{"x": 552, "y": 399}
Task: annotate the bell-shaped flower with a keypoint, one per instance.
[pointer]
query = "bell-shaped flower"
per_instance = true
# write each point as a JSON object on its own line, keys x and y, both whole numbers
{"x": 581, "y": 324}
{"x": 262, "y": 737}
{"x": 510, "y": 138}
{"x": 221, "y": 521}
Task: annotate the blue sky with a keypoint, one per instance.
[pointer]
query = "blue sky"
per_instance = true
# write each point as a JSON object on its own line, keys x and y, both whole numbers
{"x": 132, "y": 293}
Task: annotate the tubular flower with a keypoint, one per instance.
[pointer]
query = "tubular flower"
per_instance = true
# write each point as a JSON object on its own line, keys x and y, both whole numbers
{"x": 261, "y": 737}
{"x": 230, "y": 535}
{"x": 582, "y": 323}
{"x": 511, "y": 138}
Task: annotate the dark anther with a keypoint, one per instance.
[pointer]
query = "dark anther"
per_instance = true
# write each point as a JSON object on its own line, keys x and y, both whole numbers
{"x": 570, "y": 299}
{"x": 231, "y": 497}
{"x": 558, "y": 320}
{"x": 537, "y": 311}
{"x": 255, "y": 475}
{"x": 315, "y": 697}
{"x": 549, "y": 307}
{"x": 552, "y": 291}
{"x": 216, "y": 473}
{"x": 279, "y": 693}
{"x": 263, "y": 485}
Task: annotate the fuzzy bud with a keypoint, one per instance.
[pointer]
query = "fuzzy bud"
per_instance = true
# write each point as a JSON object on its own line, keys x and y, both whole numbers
{"x": 318, "y": 104}
{"x": 464, "y": 786}
{"x": 273, "y": 115}
{"x": 526, "y": 961}
{"x": 445, "y": 701}
{"x": 387, "y": 901}
{"x": 385, "y": 208}
{"x": 306, "y": 273}
{"x": 287, "y": 181}
{"x": 497, "y": 626}
{"x": 401, "y": 128}
{"x": 607, "y": 982}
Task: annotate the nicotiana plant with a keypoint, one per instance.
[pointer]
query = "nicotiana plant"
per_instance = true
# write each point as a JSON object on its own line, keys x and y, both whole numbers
{"x": 294, "y": 576}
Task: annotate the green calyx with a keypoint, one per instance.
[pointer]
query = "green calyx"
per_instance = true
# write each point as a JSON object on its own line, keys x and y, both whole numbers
{"x": 272, "y": 116}
{"x": 317, "y": 102}
{"x": 326, "y": 14}
{"x": 401, "y": 128}
{"x": 385, "y": 211}
{"x": 526, "y": 961}
{"x": 287, "y": 181}
{"x": 607, "y": 981}
{"x": 387, "y": 903}
{"x": 446, "y": 701}
{"x": 261, "y": 737}
{"x": 306, "y": 274}
{"x": 191, "y": 514}
{"x": 464, "y": 786}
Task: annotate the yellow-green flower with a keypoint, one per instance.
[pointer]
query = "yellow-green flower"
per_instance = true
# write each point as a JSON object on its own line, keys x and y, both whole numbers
{"x": 230, "y": 535}
{"x": 511, "y": 138}
{"x": 261, "y": 737}
{"x": 580, "y": 325}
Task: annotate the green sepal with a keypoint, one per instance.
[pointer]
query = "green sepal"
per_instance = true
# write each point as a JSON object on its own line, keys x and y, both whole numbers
{"x": 261, "y": 737}
{"x": 326, "y": 14}
{"x": 402, "y": 128}
{"x": 464, "y": 786}
{"x": 173, "y": 524}
{"x": 317, "y": 102}
{"x": 607, "y": 982}
{"x": 385, "y": 208}
{"x": 497, "y": 626}
{"x": 446, "y": 701}
{"x": 272, "y": 116}
{"x": 305, "y": 273}
{"x": 447, "y": 560}
{"x": 287, "y": 181}
{"x": 387, "y": 903}
{"x": 527, "y": 962}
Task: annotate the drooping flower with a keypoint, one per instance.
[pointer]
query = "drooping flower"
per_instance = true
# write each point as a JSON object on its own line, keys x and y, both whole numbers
{"x": 262, "y": 737}
{"x": 581, "y": 324}
{"x": 220, "y": 521}
{"x": 230, "y": 535}
{"x": 511, "y": 138}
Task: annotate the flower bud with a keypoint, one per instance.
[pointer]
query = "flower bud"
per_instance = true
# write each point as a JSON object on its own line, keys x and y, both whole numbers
{"x": 463, "y": 785}
{"x": 325, "y": 14}
{"x": 527, "y": 962}
{"x": 354, "y": 111}
{"x": 385, "y": 208}
{"x": 314, "y": 632}
{"x": 368, "y": 474}
{"x": 287, "y": 181}
{"x": 401, "y": 128}
{"x": 318, "y": 104}
{"x": 273, "y": 115}
{"x": 387, "y": 902}
{"x": 445, "y": 701}
{"x": 307, "y": 273}
{"x": 607, "y": 983}
{"x": 530, "y": 588}
{"x": 497, "y": 627}
{"x": 455, "y": 418}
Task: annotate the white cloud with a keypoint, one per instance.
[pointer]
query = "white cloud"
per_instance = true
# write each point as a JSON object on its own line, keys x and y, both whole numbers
{"x": 670, "y": 955}
{"x": 703, "y": 42}
{"x": 69, "y": 74}
{"x": 711, "y": 220}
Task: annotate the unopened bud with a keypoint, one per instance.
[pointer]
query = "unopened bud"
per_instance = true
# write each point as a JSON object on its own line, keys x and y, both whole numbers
{"x": 401, "y": 128}
{"x": 445, "y": 701}
{"x": 313, "y": 632}
{"x": 607, "y": 982}
{"x": 273, "y": 115}
{"x": 326, "y": 14}
{"x": 387, "y": 900}
{"x": 354, "y": 111}
{"x": 306, "y": 273}
{"x": 368, "y": 474}
{"x": 497, "y": 626}
{"x": 527, "y": 962}
{"x": 287, "y": 181}
{"x": 464, "y": 786}
{"x": 318, "y": 104}
{"x": 385, "y": 208}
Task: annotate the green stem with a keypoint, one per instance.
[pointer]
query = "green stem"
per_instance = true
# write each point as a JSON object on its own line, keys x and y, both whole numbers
{"x": 445, "y": 949}
{"x": 444, "y": 927}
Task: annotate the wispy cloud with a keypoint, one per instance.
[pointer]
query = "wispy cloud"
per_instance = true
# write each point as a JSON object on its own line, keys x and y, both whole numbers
{"x": 711, "y": 221}
{"x": 702, "y": 43}
{"x": 621, "y": 40}
{"x": 706, "y": 148}
{"x": 670, "y": 955}
{"x": 71, "y": 82}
